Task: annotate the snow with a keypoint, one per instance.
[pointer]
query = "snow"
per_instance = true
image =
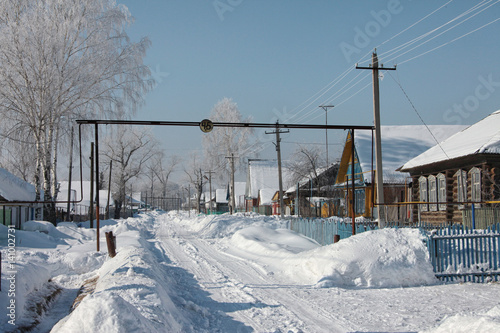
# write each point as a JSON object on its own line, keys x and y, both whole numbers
{"x": 399, "y": 145}
{"x": 482, "y": 137}
{"x": 13, "y": 188}
{"x": 234, "y": 273}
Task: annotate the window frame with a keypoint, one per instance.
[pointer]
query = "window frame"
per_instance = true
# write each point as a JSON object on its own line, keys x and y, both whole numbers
{"x": 462, "y": 194}
{"x": 432, "y": 192}
{"x": 441, "y": 188}
{"x": 475, "y": 184}
{"x": 423, "y": 193}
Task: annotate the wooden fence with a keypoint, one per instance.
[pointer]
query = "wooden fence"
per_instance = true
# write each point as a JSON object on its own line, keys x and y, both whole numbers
{"x": 484, "y": 217}
{"x": 460, "y": 253}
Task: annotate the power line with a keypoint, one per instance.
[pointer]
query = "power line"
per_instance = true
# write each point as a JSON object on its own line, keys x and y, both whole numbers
{"x": 419, "y": 116}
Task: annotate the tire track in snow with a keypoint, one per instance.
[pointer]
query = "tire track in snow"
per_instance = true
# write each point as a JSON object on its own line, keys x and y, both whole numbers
{"x": 256, "y": 298}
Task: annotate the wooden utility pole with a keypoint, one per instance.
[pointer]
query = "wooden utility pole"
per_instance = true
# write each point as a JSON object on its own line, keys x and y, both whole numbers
{"x": 325, "y": 107}
{"x": 210, "y": 172}
{"x": 378, "y": 143}
{"x": 231, "y": 186}
{"x": 280, "y": 178}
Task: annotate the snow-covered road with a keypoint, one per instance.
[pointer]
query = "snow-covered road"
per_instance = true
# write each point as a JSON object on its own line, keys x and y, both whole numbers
{"x": 256, "y": 294}
{"x": 246, "y": 290}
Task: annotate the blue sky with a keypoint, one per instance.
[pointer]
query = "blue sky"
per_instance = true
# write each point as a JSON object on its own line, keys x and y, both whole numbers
{"x": 275, "y": 58}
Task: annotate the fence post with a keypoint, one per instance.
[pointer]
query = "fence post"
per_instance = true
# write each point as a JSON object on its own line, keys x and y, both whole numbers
{"x": 110, "y": 241}
{"x": 473, "y": 212}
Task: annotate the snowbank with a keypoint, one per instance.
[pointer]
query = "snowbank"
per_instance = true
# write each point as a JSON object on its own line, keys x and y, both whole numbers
{"x": 481, "y": 322}
{"x": 374, "y": 259}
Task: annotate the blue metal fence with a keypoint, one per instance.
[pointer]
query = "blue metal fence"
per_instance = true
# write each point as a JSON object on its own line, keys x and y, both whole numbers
{"x": 456, "y": 252}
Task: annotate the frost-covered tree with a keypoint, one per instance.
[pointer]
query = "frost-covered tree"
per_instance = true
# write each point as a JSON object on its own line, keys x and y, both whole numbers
{"x": 194, "y": 173}
{"x": 61, "y": 61}
{"x": 223, "y": 142}
{"x": 160, "y": 168}
{"x": 130, "y": 149}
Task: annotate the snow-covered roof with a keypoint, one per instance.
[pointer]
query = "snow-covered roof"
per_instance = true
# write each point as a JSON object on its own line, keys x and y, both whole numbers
{"x": 13, "y": 188}
{"x": 306, "y": 180}
{"x": 481, "y": 138}
{"x": 221, "y": 195}
{"x": 399, "y": 144}
{"x": 266, "y": 196}
{"x": 263, "y": 174}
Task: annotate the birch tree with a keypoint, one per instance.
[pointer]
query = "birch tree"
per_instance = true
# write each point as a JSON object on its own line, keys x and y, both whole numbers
{"x": 224, "y": 142}
{"x": 130, "y": 149}
{"x": 64, "y": 60}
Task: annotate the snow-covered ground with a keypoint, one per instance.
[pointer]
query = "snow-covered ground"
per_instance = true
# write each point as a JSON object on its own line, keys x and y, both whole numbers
{"x": 240, "y": 273}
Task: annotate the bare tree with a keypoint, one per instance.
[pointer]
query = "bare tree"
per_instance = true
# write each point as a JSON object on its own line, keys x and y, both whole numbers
{"x": 224, "y": 142}
{"x": 305, "y": 162}
{"x": 194, "y": 173}
{"x": 129, "y": 149}
{"x": 63, "y": 60}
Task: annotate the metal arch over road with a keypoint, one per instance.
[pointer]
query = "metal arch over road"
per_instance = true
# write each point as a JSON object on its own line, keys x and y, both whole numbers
{"x": 220, "y": 124}
{"x": 206, "y": 126}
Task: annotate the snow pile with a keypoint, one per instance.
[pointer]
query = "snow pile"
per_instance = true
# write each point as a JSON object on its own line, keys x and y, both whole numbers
{"x": 373, "y": 259}
{"x": 482, "y": 322}
{"x": 225, "y": 225}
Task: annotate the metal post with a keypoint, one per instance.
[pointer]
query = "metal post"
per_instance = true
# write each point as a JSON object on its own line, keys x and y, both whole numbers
{"x": 91, "y": 208}
{"x": 109, "y": 189}
{"x": 97, "y": 182}
{"x": 68, "y": 207}
{"x": 353, "y": 197}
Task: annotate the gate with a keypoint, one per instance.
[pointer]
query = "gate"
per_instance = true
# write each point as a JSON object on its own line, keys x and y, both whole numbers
{"x": 459, "y": 253}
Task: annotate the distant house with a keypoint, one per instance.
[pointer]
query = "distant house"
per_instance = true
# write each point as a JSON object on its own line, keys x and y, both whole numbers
{"x": 319, "y": 187}
{"x": 16, "y": 197}
{"x": 262, "y": 183}
{"x": 80, "y": 199}
{"x": 399, "y": 144}
{"x": 221, "y": 200}
{"x": 462, "y": 170}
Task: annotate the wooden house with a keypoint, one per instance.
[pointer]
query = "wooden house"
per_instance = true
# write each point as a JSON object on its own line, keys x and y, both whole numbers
{"x": 462, "y": 171}
{"x": 399, "y": 144}
{"x": 16, "y": 200}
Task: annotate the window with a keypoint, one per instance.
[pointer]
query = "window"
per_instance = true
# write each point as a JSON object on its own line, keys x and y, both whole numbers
{"x": 475, "y": 176}
{"x": 359, "y": 205}
{"x": 432, "y": 184}
{"x": 461, "y": 186}
{"x": 441, "y": 182}
{"x": 422, "y": 184}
